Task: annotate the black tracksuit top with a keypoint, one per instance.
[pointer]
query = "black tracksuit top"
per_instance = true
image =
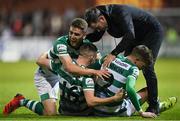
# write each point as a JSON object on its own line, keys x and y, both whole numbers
{"x": 131, "y": 23}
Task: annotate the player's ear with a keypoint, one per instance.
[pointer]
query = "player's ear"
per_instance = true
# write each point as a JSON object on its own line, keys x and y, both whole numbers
{"x": 101, "y": 18}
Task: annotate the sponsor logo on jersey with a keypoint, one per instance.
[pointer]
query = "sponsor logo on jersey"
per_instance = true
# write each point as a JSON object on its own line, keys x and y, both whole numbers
{"x": 61, "y": 47}
{"x": 122, "y": 64}
{"x": 89, "y": 81}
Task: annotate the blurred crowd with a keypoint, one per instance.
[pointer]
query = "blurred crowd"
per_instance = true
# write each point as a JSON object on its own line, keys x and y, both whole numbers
{"x": 38, "y": 23}
{"x": 47, "y": 23}
{"x": 171, "y": 28}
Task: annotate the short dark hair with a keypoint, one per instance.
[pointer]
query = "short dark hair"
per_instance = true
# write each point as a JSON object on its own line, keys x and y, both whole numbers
{"x": 87, "y": 48}
{"x": 144, "y": 53}
{"x": 80, "y": 23}
{"x": 91, "y": 15}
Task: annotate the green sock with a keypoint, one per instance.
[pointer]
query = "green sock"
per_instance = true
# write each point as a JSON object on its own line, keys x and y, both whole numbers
{"x": 34, "y": 106}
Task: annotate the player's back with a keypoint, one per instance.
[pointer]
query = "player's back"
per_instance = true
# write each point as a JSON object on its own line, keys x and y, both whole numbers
{"x": 72, "y": 100}
{"x": 120, "y": 68}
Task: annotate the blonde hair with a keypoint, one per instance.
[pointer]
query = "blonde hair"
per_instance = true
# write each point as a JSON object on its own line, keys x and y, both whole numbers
{"x": 80, "y": 23}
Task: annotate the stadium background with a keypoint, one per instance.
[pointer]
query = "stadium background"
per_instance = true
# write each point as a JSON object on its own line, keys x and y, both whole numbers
{"x": 28, "y": 28}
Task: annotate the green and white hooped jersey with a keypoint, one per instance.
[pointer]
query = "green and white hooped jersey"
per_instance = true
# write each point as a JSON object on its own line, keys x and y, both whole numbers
{"x": 72, "y": 90}
{"x": 121, "y": 68}
{"x": 61, "y": 47}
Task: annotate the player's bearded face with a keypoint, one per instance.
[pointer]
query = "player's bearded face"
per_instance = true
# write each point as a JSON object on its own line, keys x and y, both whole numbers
{"x": 76, "y": 36}
{"x": 100, "y": 25}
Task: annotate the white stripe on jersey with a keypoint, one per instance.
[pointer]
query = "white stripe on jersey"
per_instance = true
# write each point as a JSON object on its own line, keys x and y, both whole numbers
{"x": 118, "y": 76}
{"x": 114, "y": 89}
{"x": 88, "y": 89}
{"x": 63, "y": 54}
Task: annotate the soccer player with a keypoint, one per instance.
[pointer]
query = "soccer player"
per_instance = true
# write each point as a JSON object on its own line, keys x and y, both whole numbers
{"x": 125, "y": 71}
{"x": 136, "y": 27}
{"x": 47, "y": 81}
{"x": 77, "y": 92}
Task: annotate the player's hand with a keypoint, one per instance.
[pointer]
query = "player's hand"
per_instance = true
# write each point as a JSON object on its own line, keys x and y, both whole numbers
{"x": 120, "y": 95}
{"x": 108, "y": 59}
{"x": 148, "y": 115}
{"x": 102, "y": 73}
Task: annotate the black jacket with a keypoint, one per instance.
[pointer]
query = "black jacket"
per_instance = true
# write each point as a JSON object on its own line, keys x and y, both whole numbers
{"x": 131, "y": 23}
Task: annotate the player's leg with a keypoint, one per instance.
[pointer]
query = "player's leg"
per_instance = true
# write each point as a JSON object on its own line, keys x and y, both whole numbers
{"x": 18, "y": 101}
{"x": 153, "y": 41}
{"x": 49, "y": 100}
{"x": 143, "y": 93}
{"x": 48, "y": 87}
{"x": 142, "y": 96}
{"x": 163, "y": 105}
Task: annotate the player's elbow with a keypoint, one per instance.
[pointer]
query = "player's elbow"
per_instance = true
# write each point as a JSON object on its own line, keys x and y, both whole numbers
{"x": 41, "y": 59}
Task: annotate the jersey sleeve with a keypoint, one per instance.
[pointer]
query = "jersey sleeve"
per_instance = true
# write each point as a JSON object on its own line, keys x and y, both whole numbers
{"x": 55, "y": 66}
{"x": 59, "y": 47}
{"x": 130, "y": 84}
{"x": 134, "y": 72}
{"x": 87, "y": 84}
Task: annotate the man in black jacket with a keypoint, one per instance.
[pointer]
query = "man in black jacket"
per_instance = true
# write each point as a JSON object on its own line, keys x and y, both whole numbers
{"x": 136, "y": 27}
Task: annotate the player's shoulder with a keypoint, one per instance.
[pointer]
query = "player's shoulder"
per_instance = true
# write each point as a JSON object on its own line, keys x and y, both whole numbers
{"x": 134, "y": 71}
{"x": 61, "y": 40}
{"x": 86, "y": 41}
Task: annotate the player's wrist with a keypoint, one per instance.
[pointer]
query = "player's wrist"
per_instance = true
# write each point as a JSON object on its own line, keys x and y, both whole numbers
{"x": 91, "y": 71}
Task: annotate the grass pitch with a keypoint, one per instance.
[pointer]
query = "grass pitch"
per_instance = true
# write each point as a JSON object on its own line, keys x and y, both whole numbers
{"x": 18, "y": 77}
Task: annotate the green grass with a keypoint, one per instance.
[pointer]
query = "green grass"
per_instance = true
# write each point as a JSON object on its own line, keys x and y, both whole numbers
{"x": 18, "y": 77}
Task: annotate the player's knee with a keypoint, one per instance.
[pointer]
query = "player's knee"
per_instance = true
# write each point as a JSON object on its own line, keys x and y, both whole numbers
{"x": 49, "y": 107}
{"x": 50, "y": 112}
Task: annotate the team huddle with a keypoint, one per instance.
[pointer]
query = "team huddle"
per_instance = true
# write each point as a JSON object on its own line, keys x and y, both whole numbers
{"x": 93, "y": 85}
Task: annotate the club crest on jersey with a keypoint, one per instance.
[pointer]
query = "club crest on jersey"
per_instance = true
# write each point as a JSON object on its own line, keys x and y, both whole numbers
{"x": 122, "y": 64}
{"x": 89, "y": 81}
{"x": 61, "y": 47}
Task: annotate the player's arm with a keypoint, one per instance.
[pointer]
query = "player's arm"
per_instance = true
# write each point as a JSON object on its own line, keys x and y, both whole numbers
{"x": 130, "y": 83}
{"x": 94, "y": 101}
{"x": 128, "y": 30}
{"x": 88, "y": 89}
{"x": 43, "y": 60}
{"x": 133, "y": 97}
{"x": 72, "y": 68}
